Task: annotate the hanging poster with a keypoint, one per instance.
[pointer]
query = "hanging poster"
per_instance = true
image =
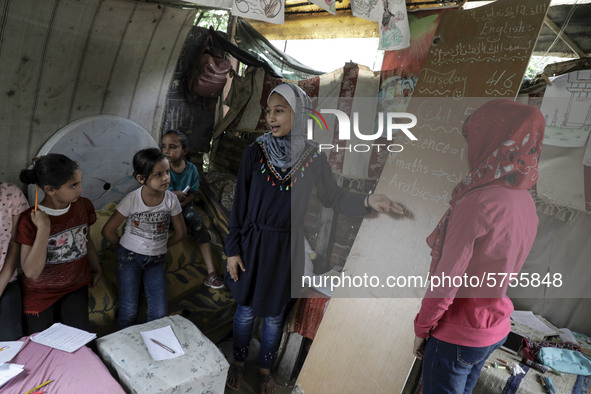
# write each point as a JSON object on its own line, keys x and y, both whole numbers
{"x": 567, "y": 109}
{"x": 327, "y": 5}
{"x": 368, "y": 9}
{"x": 394, "y": 30}
{"x": 271, "y": 11}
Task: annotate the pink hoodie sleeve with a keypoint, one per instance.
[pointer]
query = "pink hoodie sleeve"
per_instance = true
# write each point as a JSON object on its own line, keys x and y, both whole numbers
{"x": 466, "y": 225}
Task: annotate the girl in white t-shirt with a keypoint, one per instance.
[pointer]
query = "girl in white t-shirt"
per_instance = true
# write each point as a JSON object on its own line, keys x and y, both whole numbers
{"x": 147, "y": 213}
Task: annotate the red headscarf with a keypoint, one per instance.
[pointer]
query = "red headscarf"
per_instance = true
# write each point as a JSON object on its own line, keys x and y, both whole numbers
{"x": 504, "y": 142}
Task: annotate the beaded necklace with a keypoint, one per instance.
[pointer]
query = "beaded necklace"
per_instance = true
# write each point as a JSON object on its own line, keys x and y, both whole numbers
{"x": 288, "y": 180}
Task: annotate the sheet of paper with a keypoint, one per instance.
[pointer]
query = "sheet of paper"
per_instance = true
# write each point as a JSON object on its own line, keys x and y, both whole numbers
{"x": 9, "y": 349}
{"x": 164, "y": 338}
{"x": 528, "y": 318}
{"x": 63, "y": 337}
{"x": 9, "y": 371}
{"x": 567, "y": 336}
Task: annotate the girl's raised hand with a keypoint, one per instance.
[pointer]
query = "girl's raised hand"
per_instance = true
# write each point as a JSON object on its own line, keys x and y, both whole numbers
{"x": 235, "y": 262}
{"x": 41, "y": 220}
{"x": 381, "y": 203}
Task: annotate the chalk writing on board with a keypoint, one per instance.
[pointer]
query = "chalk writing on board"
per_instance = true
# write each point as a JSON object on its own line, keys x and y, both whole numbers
{"x": 500, "y": 85}
{"x": 492, "y": 32}
{"x": 447, "y": 83}
{"x": 415, "y": 166}
{"x": 468, "y": 52}
{"x": 436, "y": 145}
{"x": 415, "y": 190}
{"x": 508, "y": 12}
{"x": 453, "y": 178}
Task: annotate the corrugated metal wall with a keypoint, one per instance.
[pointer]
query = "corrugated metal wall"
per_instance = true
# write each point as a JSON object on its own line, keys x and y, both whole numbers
{"x": 62, "y": 60}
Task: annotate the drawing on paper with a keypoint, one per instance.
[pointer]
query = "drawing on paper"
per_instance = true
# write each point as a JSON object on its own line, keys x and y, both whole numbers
{"x": 567, "y": 109}
{"x": 263, "y": 10}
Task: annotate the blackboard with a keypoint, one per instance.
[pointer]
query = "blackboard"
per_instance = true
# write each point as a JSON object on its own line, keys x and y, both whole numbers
{"x": 365, "y": 344}
{"x": 477, "y": 55}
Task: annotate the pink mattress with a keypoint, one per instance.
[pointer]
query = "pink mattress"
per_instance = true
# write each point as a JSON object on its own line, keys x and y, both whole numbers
{"x": 78, "y": 372}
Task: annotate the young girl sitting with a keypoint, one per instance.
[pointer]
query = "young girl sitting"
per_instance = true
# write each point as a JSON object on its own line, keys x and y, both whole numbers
{"x": 55, "y": 247}
{"x": 184, "y": 174}
{"x": 266, "y": 236}
{"x": 147, "y": 213}
{"x": 11, "y": 306}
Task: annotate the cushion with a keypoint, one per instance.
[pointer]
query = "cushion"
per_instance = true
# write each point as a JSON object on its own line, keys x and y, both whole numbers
{"x": 202, "y": 369}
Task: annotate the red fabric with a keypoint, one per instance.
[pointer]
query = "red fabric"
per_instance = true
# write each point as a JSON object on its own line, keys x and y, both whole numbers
{"x": 66, "y": 268}
{"x": 308, "y": 314}
{"x": 408, "y": 62}
{"x": 504, "y": 142}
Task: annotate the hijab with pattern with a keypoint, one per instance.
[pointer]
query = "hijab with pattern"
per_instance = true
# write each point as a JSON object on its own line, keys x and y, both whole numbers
{"x": 284, "y": 152}
{"x": 504, "y": 142}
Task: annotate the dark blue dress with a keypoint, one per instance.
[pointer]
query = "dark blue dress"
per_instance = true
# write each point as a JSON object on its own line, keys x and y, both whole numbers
{"x": 267, "y": 224}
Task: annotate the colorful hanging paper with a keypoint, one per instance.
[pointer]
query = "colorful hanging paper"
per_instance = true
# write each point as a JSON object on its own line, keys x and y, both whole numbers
{"x": 394, "y": 30}
{"x": 271, "y": 11}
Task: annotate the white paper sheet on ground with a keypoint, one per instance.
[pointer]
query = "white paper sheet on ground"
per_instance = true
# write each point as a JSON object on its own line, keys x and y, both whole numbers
{"x": 567, "y": 336}
{"x": 528, "y": 318}
{"x": 9, "y": 350}
{"x": 271, "y": 11}
{"x": 166, "y": 337}
{"x": 9, "y": 371}
{"x": 63, "y": 337}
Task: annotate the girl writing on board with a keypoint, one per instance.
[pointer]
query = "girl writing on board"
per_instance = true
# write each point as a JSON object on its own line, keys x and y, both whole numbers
{"x": 487, "y": 231}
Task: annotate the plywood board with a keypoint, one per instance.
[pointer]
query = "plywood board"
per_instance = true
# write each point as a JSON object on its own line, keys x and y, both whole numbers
{"x": 477, "y": 55}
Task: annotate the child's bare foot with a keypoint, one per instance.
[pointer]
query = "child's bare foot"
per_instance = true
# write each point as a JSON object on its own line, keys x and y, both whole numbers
{"x": 267, "y": 382}
{"x": 234, "y": 379}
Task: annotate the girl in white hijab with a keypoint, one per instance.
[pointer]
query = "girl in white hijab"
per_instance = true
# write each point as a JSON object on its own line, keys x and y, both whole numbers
{"x": 266, "y": 230}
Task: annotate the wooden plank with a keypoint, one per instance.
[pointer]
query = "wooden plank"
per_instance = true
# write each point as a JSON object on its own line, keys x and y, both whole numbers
{"x": 128, "y": 64}
{"x": 358, "y": 355}
{"x": 569, "y": 43}
{"x": 100, "y": 56}
{"x": 477, "y": 55}
{"x": 24, "y": 25}
{"x": 158, "y": 68}
{"x": 66, "y": 38}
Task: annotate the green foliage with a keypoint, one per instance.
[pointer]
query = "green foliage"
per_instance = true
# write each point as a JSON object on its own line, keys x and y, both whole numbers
{"x": 216, "y": 18}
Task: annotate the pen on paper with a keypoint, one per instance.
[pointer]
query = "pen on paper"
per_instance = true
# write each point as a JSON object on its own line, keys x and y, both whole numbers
{"x": 38, "y": 387}
{"x": 2, "y": 348}
{"x": 162, "y": 345}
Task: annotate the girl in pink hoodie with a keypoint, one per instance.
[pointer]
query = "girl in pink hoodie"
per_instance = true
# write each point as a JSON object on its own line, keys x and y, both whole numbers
{"x": 486, "y": 234}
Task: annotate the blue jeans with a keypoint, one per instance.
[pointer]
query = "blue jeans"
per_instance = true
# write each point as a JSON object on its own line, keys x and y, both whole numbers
{"x": 131, "y": 269}
{"x": 270, "y": 337}
{"x": 453, "y": 369}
